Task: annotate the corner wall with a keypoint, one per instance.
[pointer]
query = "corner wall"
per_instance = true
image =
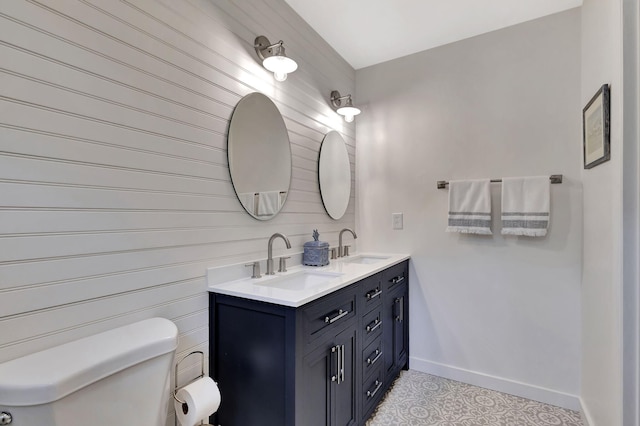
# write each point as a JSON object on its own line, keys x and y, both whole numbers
{"x": 601, "y": 388}
{"x": 631, "y": 214}
{"x": 115, "y": 187}
{"x": 500, "y": 312}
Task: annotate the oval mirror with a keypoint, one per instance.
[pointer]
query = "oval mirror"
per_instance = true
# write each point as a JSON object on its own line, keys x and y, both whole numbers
{"x": 334, "y": 174}
{"x": 259, "y": 156}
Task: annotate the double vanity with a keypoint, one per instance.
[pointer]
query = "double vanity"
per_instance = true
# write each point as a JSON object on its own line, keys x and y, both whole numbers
{"x": 310, "y": 346}
{"x": 313, "y": 345}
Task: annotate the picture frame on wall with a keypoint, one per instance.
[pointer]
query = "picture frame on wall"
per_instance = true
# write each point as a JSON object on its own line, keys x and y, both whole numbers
{"x": 596, "y": 128}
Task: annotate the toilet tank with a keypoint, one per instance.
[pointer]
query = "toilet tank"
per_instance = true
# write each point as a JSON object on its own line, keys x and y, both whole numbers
{"x": 118, "y": 377}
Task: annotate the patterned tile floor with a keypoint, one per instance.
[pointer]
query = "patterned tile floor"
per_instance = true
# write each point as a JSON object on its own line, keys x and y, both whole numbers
{"x": 417, "y": 398}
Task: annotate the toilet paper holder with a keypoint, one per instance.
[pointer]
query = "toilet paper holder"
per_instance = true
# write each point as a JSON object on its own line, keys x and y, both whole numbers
{"x": 176, "y": 388}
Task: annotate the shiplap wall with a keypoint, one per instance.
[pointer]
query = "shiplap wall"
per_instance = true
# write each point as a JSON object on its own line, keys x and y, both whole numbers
{"x": 115, "y": 193}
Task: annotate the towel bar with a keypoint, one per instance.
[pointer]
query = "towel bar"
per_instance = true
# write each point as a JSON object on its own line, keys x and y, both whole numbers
{"x": 553, "y": 178}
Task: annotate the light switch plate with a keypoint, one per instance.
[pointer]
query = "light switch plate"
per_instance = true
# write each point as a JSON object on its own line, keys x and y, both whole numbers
{"x": 396, "y": 219}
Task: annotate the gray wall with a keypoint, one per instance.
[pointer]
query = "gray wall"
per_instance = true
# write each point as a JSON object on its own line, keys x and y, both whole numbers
{"x": 501, "y": 312}
{"x": 115, "y": 187}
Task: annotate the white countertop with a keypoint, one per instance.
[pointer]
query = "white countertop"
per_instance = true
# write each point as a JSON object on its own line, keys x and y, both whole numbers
{"x": 324, "y": 280}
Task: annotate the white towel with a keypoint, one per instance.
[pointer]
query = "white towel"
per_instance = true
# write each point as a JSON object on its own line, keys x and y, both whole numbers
{"x": 248, "y": 200}
{"x": 268, "y": 203}
{"x": 470, "y": 206}
{"x": 525, "y": 206}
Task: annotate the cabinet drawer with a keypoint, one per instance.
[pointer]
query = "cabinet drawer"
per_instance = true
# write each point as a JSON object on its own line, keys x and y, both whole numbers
{"x": 395, "y": 275}
{"x": 328, "y": 314}
{"x": 371, "y": 326}
{"x": 372, "y": 357}
{"x": 372, "y": 392}
{"x": 372, "y": 292}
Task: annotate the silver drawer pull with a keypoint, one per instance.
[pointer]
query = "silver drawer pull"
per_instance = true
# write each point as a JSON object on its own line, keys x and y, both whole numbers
{"x": 378, "y": 385}
{"x": 373, "y": 294}
{"x": 340, "y": 314}
{"x": 336, "y": 377}
{"x": 374, "y": 360}
{"x": 400, "y": 303}
{"x": 376, "y": 323}
{"x": 398, "y": 279}
{"x": 341, "y": 372}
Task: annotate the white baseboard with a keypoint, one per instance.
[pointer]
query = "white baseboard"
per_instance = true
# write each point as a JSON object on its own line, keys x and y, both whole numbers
{"x": 584, "y": 413}
{"x": 499, "y": 384}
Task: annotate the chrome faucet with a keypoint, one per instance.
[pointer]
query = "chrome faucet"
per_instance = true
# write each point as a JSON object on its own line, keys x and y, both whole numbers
{"x": 270, "y": 251}
{"x": 341, "y": 251}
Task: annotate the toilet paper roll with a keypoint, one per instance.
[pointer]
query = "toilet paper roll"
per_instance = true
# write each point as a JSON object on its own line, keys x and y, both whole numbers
{"x": 202, "y": 398}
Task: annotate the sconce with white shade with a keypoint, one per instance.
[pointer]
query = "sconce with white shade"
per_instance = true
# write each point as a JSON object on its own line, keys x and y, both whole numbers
{"x": 344, "y": 106}
{"x": 273, "y": 58}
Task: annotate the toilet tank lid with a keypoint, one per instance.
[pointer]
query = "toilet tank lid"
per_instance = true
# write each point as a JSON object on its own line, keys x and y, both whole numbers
{"x": 54, "y": 373}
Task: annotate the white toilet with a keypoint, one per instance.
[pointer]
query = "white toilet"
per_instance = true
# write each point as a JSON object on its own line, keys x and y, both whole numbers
{"x": 119, "y": 377}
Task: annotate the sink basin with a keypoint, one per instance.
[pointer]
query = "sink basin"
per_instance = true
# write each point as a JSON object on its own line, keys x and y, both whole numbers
{"x": 302, "y": 280}
{"x": 364, "y": 259}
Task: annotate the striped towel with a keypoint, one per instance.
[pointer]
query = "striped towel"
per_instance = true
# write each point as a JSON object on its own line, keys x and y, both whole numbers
{"x": 470, "y": 206}
{"x": 525, "y": 206}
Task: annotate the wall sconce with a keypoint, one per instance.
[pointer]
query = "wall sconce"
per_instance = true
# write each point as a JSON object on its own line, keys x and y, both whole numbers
{"x": 273, "y": 58}
{"x": 347, "y": 109}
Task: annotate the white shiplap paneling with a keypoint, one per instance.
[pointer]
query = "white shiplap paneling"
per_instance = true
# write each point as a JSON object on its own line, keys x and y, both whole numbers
{"x": 115, "y": 190}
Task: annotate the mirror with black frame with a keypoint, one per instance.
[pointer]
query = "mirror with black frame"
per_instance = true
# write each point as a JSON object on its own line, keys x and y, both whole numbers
{"x": 334, "y": 174}
{"x": 259, "y": 156}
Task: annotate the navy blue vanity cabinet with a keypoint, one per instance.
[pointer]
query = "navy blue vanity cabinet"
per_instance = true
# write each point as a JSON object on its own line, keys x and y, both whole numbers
{"x": 396, "y": 317}
{"x": 277, "y": 365}
{"x": 321, "y": 364}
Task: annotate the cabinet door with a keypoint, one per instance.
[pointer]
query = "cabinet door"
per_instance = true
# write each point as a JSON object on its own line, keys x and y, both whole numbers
{"x": 319, "y": 371}
{"x": 395, "y": 333}
{"x": 400, "y": 327}
{"x": 249, "y": 352}
{"x": 329, "y": 393}
{"x": 344, "y": 389}
{"x": 388, "y": 334}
